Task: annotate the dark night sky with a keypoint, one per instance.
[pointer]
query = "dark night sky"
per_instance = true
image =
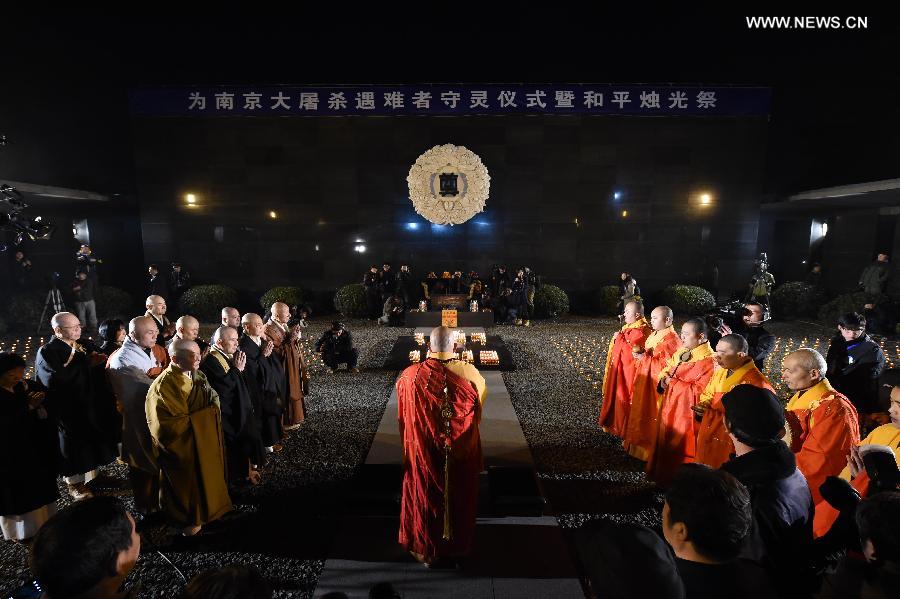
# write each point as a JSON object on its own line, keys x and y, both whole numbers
{"x": 835, "y": 116}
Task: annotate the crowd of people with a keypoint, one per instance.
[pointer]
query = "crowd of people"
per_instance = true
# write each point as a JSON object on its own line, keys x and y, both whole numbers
{"x": 389, "y": 294}
{"x": 706, "y": 414}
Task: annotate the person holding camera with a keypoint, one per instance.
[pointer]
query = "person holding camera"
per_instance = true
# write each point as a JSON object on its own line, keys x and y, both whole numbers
{"x": 760, "y": 342}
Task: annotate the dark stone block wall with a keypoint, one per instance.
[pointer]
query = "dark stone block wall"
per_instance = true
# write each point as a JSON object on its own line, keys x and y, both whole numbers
{"x": 332, "y": 181}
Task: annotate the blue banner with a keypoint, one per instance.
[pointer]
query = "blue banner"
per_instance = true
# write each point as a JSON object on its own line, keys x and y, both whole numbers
{"x": 386, "y": 100}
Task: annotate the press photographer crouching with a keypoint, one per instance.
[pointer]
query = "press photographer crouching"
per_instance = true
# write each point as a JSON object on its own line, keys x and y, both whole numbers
{"x": 746, "y": 320}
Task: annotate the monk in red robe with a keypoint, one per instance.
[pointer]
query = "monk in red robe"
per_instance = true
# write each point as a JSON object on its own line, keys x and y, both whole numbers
{"x": 618, "y": 376}
{"x": 682, "y": 381}
{"x": 735, "y": 367}
{"x": 439, "y": 410}
{"x": 643, "y": 418}
{"x": 822, "y": 425}
{"x": 287, "y": 347}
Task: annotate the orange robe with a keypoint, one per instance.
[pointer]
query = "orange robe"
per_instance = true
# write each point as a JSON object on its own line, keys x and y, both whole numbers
{"x": 713, "y": 443}
{"x": 643, "y": 418}
{"x": 618, "y": 376}
{"x": 886, "y": 434}
{"x": 424, "y": 515}
{"x": 823, "y": 424}
{"x": 676, "y": 441}
{"x": 294, "y": 370}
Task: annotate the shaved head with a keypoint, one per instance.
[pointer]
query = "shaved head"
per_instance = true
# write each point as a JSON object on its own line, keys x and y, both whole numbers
{"x": 152, "y": 300}
{"x": 809, "y": 359}
{"x": 182, "y": 346}
{"x": 736, "y": 342}
{"x": 281, "y": 312}
{"x": 231, "y": 317}
{"x": 143, "y": 331}
{"x": 803, "y": 368}
{"x": 62, "y": 319}
{"x": 638, "y": 307}
{"x": 185, "y": 355}
{"x": 661, "y": 318}
{"x": 187, "y": 327}
{"x": 441, "y": 339}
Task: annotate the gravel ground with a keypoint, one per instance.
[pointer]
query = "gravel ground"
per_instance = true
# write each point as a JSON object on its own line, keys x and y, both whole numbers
{"x": 285, "y": 525}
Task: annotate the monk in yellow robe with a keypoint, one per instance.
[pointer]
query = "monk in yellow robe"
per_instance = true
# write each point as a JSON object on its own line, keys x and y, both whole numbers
{"x": 734, "y": 367}
{"x": 822, "y": 424}
{"x": 618, "y": 376}
{"x": 643, "y": 418}
{"x": 186, "y": 427}
{"x": 682, "y": 381}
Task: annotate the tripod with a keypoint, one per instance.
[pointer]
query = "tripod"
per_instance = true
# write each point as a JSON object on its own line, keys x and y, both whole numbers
{"x": 53, "y": 302}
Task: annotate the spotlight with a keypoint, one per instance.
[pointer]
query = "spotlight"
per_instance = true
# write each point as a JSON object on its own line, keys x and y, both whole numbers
{"x": 190, "y": 199}
{"x": 705, "y": 199}
{"x": 360, "y": 248}
{"x": 824, "y": 229}
{"x": 617, "y": 195}
{"x": 359, "y": 241}
{"x": 624, "y": 214}
{"x": 317, "y": 247}
{"x": 412, "y": 226}
{"x": 273, "y": 214}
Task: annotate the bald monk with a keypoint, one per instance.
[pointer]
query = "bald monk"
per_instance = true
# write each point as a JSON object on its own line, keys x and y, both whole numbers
{"x": 286, "y": 342}
{"x": 735, "y": 367}
{"x": 156, "y": 309}
{"x": 131, "y": 370}
{"x": 231, "y": 318}
{"x": 440, "y": 472}
{"x": 682, "y": 381}
{"x": 822, "y": 425}
{"x": 618, "y": 376}
{"x": 265, "y": 377}
{"x": 186, "y": 427}
{"x": 643, "y": 418}
{"x": 188, "y": 328}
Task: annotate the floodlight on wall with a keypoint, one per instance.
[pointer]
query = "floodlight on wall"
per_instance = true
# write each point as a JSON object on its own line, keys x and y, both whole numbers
{"x": 191, "y": 199}
{"x": 624, "y": 214}
{"x": 617, "y": 195}
{"x": 273, "y": 214}
{"x": 360, "y": 249}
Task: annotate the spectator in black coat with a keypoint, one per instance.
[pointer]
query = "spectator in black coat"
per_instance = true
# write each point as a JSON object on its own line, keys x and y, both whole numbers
{"x": 855, "y": 362}
{"x": 336, "y": 347}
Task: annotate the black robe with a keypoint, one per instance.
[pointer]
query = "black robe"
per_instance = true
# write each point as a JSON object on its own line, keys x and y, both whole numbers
{"x": 28, "y": 455}
{"x": 80, "y": 410}
{"x": 265, "y": 378}
{"x": 239, "y": 422}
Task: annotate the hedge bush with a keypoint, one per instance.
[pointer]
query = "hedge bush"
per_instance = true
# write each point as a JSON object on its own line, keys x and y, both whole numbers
{"x": 350, "y": 300}
{"x": 796, "y": 298}
{"x": 205, "y": 302}
{"x": 113, "y": 302}
{"x": 550, "y": 301}
{"x": 687, "y": 300}
{"x": 607, "y": 300}
{"x": 849, "y": 302}
{"x": 292, "y": 296}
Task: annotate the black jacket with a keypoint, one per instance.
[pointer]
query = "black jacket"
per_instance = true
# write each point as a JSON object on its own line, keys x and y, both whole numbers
{"x": 333, "y": 345}
{"x": 853, "y": 369}
{"x": 782, "y": 513}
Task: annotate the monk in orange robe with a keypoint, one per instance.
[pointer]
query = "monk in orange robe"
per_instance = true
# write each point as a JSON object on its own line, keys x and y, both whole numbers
{"x": 682, "y": 381}
{"x": 822, "y": 425}
{"x": 439, "y": 409}
{"x": 735, "y": 367}
{"x": 286, "y": 346}
{"x": 643, "y": 418}
{"x": 618, "y": 376}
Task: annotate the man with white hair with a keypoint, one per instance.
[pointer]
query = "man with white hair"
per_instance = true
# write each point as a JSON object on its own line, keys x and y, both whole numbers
{"x": 156, "y": 309}
{"x": 231, "y": 318}
{"x": 64, "y": 367}
{"x": 440, "y": 473}
{"x": 129, "y": 371}
{"x": 822, "y": 424}
{"x": 188, "y": 328}
{"x": 224, "y": 369}
{"x": 265, "y": 377}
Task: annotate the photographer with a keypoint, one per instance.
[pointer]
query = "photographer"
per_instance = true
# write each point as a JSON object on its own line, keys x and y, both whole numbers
{"x": 83, "y": 289}
{"x": 747, "y": 322}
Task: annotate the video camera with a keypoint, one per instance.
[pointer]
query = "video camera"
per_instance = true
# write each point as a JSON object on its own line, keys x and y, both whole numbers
{"x": 729, "y": 313}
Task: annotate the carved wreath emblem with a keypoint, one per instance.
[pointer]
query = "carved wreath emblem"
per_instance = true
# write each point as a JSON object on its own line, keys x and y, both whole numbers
{"x": 448, "y": 185}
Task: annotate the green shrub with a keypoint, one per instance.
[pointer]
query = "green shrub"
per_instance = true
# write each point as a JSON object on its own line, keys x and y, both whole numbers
{"x": 24, "y": 311}
{"x": 687, "y": 300}
{"x": 350, "y": 300}
{"x": 205, "y": 302}
{"x": 849, "y": 302}
{"x": 607, "y": 300}
{"x": 796, "y": 298}
{"x": 550, "y": 301}
{"x": 292, "y": 296}
{"x": 113, "y": 302}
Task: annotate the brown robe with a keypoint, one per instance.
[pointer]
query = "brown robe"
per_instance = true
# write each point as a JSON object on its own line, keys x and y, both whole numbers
{"x": 294, "y": 370}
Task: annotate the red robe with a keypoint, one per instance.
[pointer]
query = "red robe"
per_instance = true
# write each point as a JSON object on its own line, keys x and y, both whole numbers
{"x": 420, "y": 397}
{"x": 714, "y": 445}
{"x": 295, "y": 371}
{"x": 618, "y": 376}
{"x": 823, "y": 424}
{"x": 676, "y": 441}
{"x": 643, "y": 418}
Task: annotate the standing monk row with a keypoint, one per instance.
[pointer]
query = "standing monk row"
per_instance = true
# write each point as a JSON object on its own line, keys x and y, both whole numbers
{"x": 618, "y": 377}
